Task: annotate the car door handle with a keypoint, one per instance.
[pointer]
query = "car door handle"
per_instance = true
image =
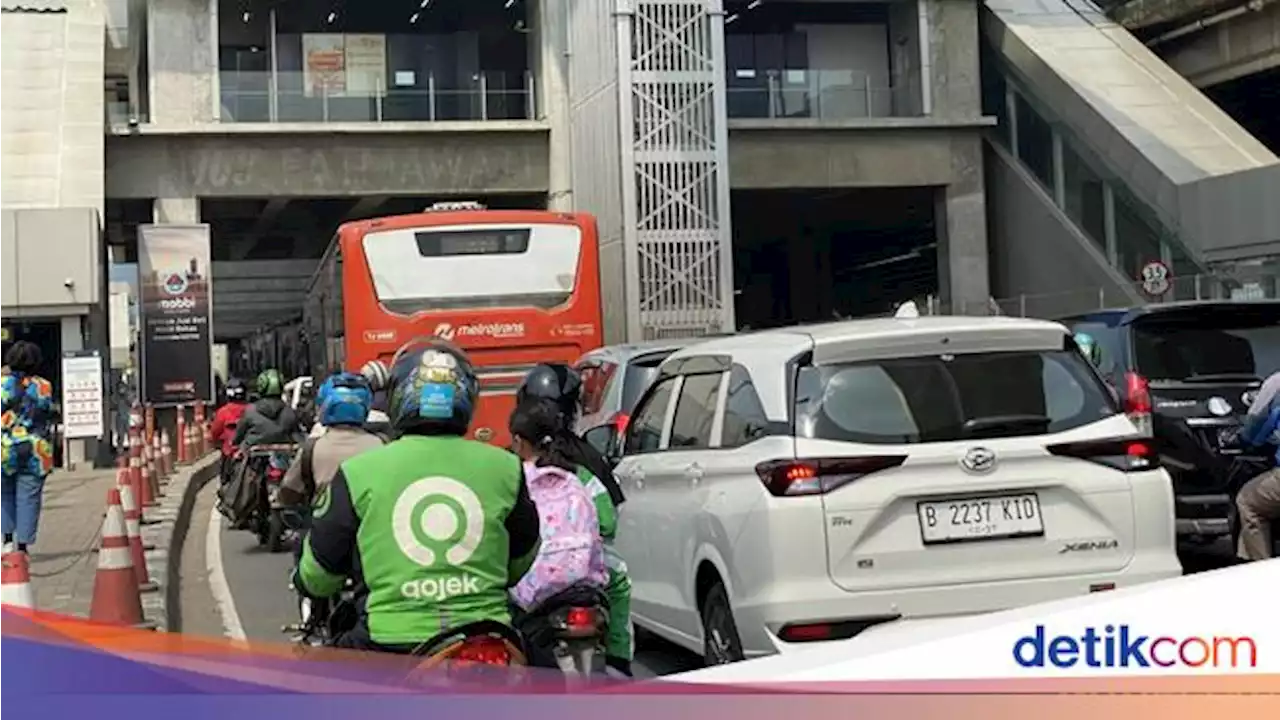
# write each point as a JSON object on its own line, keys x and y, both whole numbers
{"x": 694, "y": 472}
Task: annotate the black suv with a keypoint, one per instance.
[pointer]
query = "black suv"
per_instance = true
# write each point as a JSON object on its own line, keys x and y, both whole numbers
{"x": 1187, "y": 373}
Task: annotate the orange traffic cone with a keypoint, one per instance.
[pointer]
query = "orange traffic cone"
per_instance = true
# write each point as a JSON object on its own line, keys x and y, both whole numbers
{"x": 166, "y": 452}
{"x": 153, "y": 478}
{"x": 115, "y": 587}
{"x": 15, "y": 586}
{"x": 137, "y": 551}
{"x": 145, "y": 494}
{"x": 155, "y": 455}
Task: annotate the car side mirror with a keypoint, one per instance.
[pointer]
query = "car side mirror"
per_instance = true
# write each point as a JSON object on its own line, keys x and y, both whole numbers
{"x": 605, "y": 440}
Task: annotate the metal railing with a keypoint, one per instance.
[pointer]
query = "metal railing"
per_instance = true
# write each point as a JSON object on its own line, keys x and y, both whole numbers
{"x": 823, "y": 94}
{"x": 1260, "y": 284}
{"x": 287, "y": 97}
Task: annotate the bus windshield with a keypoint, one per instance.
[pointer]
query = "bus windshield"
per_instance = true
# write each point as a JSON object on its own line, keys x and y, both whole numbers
{"x": 467, "y": 267}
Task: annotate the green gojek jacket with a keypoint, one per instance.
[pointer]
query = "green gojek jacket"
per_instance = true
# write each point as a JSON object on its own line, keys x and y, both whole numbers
{"x": 436, "y": 529}
{"x": 605, "y": 509}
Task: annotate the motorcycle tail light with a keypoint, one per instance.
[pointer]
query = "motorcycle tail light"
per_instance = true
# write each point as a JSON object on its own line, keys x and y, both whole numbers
{"x": 577, "y": 622}
{"x": 482, "y": 651}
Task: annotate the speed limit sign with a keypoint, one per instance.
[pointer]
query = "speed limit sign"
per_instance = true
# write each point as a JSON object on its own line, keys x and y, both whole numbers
{"x": 1156, "y": 278}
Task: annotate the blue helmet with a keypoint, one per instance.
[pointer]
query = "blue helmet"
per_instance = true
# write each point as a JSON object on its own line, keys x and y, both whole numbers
{"x": 344, "y": 399}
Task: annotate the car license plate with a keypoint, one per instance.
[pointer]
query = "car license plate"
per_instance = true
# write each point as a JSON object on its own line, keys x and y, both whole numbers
{"x": 987, "y": 518}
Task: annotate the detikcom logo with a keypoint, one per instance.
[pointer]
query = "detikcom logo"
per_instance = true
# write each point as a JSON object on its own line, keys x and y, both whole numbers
{"x": 434, "y": 516}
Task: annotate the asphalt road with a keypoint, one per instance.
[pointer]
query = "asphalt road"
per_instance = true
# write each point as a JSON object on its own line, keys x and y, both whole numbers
{"x": 257, "y": 583}
{"x": 232, "y": 587}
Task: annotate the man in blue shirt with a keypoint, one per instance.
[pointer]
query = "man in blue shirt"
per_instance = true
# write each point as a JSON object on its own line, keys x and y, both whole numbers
{"x": 1259, "y": 499}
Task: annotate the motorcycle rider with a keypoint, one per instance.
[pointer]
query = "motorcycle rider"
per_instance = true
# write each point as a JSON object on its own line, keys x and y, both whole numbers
{"x": 421, "y": 567}
{"x": 343, "y": 405}
{"x": 1090, "y": 348}
{"x": 269, "y": 419}
{"x": 560, "y": 385}
{"x": 225, "y": 423}
{"x": 1259, "y": 499}
{"x": 376, "y": 373}
{"x": 533, "y": 427}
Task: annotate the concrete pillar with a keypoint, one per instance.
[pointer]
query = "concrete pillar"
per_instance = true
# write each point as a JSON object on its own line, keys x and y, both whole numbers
{"x": 906, "y": 61}
{"x": 182, "y": 61}
{"x": 176, "y": 211}
{"x": 964, "y": 272}
{"x": 951, "y": 77}
{"x": 549, "y": 63}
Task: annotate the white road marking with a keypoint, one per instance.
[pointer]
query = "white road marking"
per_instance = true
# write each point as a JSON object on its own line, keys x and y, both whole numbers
{"x": 218, "y": 579}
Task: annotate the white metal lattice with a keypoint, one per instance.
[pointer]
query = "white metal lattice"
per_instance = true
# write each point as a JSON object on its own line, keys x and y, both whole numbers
{"x": 676, "y": 193}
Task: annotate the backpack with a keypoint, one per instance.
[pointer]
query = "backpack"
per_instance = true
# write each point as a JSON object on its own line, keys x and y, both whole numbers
{"x": 572, "y": 552}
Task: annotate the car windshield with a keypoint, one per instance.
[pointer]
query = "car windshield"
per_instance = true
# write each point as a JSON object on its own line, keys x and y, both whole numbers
{"x": 949, "y": 397}
{"x": 1205, "y": 345}
{"x": 641, "y": 372}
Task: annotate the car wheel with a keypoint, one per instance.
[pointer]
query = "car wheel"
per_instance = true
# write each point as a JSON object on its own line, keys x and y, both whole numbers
{"x": 720, "y": 642}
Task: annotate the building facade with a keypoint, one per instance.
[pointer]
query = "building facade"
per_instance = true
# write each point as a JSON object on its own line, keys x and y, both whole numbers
{"x": 652, "y": 115}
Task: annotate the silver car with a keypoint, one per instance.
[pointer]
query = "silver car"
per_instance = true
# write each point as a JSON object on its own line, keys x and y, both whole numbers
{"x": 613, "y": 379}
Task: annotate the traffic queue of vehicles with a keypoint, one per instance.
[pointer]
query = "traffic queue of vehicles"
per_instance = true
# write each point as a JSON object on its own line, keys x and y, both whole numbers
{"x": 803, "y": 484}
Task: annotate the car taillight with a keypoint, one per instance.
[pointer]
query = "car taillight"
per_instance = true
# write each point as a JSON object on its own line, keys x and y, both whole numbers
{"x": 789, "y": 478}
{"x": 1137, "y": 401}
{"x": 620, "y": 422}
{"x": 1123, "y": 455}
{"x": 482, "y": 651}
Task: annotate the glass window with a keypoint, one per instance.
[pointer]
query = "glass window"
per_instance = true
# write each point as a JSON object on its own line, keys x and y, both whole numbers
{"x": 1137, "y": 243}
{"x": 595, "y": 385}
{"x": 1110, "y": 340}
{"x": 1084, "y": 191}
{"x": 744, "y": 418}
{"x": 1208, "y": 343}
{"x": 644, "y": 434}
{"x": 695, "y": 411}
{"x": 1035, "y": 142}
{"x": 641, "y": 372}
{"x": 948, "y": 398}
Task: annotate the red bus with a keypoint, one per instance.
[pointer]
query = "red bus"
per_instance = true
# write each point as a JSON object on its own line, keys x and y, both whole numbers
{"x": 511, "y": 287}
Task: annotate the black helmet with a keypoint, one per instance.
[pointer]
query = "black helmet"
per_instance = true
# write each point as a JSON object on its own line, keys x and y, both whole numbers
{"x": 433, "y": 388}
{"x": 235, "y": 389}
{"x": 556, "y": 382}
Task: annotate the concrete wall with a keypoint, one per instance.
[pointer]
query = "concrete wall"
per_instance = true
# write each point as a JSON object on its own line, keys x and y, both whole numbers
{"x": 33, "y": 284}
{"x": 1155, "y": 132}
{"x": 1243, "y": 45}
{"x": 596, "y": 160}
{"x": 763, "y": 155}
{"x": 1037, "y": 251}
{"x": 51, "y": 107}
{"x": 182, "y": 61}
{"x": 953, "y": 79}
{"x": 318, "y": 162}
{"x": 1236, "y": 216}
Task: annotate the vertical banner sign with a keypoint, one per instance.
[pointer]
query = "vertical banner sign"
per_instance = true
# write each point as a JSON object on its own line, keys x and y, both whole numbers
{"x": 174, "y": 287}
{"x": 82, "y": 395}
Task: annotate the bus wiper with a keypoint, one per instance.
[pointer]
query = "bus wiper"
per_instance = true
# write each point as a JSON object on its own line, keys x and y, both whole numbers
{"x": 1221, "y": 377}
{"x": 1002, "y": 425}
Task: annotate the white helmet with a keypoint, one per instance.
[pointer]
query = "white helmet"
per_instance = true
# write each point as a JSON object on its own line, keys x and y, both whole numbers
{"x": 375, "y": 371}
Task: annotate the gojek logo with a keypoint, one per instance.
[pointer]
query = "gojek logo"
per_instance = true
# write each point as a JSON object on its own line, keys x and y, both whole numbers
{"x": 1119, "y": 646}
{"x": 438, "y": 522}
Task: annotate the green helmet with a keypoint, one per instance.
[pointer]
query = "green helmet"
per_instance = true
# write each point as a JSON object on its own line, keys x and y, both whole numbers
{"x": 1089, "y": 347}
{"x": 269, "y": 383}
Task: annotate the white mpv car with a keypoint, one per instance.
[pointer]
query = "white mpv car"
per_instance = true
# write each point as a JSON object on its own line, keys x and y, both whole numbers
{"x": 804, "y": 484}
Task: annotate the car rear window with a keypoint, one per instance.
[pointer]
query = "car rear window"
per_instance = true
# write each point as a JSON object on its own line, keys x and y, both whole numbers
{"x": 641, "y": 372}
{"x": 1203, "y": 344}
{"x": 949, "y": 397}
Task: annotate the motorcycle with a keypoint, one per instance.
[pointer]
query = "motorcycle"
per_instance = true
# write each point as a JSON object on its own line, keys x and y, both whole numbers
{"x": 480, "y": 652}
{"x": 1242, "y": 464}
{"x": 568, "y": 631}
{"x": 267, "y": 522}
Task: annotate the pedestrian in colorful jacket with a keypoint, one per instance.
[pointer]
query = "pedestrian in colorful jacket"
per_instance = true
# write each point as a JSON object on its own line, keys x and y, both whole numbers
{"x": 27, "y": 440}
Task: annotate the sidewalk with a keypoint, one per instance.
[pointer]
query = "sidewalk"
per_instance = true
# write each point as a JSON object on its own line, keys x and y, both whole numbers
{"x": 63, "y": 563}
